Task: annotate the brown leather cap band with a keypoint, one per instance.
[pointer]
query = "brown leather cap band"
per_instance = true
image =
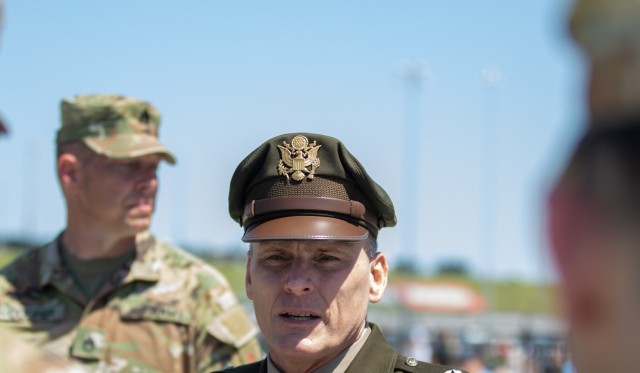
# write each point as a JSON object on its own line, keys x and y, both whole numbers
{"x": 353, "y": 209}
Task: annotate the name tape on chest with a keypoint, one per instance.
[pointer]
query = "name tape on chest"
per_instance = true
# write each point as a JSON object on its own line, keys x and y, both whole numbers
{"x": 53, "y": 311}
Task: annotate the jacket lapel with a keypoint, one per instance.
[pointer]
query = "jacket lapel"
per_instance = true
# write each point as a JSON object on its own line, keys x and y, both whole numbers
{"x": 263, "y": 366}
{"x": 375, "y": 356}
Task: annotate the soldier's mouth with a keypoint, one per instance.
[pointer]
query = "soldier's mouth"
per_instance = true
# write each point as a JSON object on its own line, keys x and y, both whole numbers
{"x": 300, "y": 316}
{"x": 143, "y": 203}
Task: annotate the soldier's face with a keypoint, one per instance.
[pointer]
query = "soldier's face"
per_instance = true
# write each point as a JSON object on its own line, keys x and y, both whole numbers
{"x": 118, "y": 194}
{"x": 311, "y": 297}
{"x": 598, "y": 260}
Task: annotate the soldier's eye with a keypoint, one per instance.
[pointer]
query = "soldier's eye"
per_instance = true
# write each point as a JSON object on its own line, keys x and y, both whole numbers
{"x": 276, "y": 257}
{"x": 327, "y": 258}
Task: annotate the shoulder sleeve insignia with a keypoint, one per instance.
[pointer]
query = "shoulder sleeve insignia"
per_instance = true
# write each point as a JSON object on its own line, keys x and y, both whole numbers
{"x": 233, "y": 327}
{"x": 295, "y": 159}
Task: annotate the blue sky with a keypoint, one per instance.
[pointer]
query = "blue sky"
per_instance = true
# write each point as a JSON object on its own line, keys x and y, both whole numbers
{"x": 228, "y": 75}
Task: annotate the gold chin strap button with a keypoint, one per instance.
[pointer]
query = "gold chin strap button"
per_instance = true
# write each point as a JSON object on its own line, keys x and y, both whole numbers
{"x": 412, "y": 362}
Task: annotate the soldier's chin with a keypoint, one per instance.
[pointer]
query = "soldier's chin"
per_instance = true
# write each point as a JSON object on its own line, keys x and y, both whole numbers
{"x": 139, "y": 223}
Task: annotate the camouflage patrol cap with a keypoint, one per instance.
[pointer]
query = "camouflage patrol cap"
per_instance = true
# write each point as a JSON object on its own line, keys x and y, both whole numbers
{"x": 115, "y": 126}
{"x": 608, "y": 31}
{"x": 304, "y": 186}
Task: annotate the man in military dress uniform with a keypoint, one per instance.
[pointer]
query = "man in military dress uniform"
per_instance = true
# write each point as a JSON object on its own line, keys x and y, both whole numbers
{"x": 106, "y": 293}
{"x": 595, "y": 207}
{"x": 312, "y": 214}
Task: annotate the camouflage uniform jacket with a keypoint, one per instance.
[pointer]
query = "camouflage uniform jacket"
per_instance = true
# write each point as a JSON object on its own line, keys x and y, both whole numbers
{"x": 164, "y": 311}
{"x": 16, "y": 356}
{"x": 375, "y": 356}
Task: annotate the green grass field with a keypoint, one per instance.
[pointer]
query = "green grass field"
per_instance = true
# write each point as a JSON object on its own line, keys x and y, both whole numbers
{"x": 7, "y": 254}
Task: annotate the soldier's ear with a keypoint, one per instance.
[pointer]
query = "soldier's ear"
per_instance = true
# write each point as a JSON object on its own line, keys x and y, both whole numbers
{"x": 570, "y": 220}
{"x": 576, "y": 239}
{"x": 247, "y": 278}
{"x": 69, "y": 171}
{"x": 378, "y": 273}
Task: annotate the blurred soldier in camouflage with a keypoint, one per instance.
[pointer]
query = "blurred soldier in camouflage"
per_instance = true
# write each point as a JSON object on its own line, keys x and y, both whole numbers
{"x": 595, "y": 208}
{"x": 106, "y": 292}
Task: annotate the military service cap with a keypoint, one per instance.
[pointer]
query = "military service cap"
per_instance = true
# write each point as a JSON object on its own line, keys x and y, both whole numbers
{"x": 307, "y": 187}
{"x": 115, "y": 126}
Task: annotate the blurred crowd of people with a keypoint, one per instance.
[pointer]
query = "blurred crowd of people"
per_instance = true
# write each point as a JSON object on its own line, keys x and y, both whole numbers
{"x": 526, "y": 353}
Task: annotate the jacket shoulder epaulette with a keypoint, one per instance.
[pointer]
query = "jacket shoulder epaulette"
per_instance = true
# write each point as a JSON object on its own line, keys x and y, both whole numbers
{"x": 411, "y": 365}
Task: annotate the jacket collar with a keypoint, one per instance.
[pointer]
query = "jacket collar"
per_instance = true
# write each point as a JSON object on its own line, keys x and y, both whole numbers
{"x": 146, "y": 266}
{"x": 376, "y": 352}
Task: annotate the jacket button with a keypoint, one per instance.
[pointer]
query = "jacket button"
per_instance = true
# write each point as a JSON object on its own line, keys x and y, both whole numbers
{"x": 412, "y": 362}
{"x": 88, "y": 344}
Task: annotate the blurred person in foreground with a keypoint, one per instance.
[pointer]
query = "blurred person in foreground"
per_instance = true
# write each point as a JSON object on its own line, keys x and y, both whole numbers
{"x": 106, "y": 293}
{"x": 594, "y": 209}
{"x": 311, "y": 215}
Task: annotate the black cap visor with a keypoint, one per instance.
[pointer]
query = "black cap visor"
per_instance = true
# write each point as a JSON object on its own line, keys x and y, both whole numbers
{"x": 305, "y": 227}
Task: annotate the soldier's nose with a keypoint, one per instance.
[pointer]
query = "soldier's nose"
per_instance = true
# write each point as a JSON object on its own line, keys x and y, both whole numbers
{"x": 298, "y": 281}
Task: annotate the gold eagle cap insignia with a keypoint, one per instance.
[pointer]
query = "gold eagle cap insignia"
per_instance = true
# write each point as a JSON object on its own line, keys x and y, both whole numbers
{"x": 298, "y": 159}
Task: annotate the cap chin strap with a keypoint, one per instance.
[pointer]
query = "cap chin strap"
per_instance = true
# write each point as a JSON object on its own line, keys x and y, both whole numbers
{"x": 353, "y": 209}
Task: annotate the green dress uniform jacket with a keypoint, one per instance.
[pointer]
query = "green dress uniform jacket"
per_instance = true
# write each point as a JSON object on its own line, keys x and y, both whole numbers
{"x": 376, "y": 356}
{"x": 163, "y": 311}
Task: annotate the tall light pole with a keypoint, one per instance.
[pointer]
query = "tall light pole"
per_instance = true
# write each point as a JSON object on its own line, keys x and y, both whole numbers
{"x": 492, "y": 79}
{"x": 413, "y": 76}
